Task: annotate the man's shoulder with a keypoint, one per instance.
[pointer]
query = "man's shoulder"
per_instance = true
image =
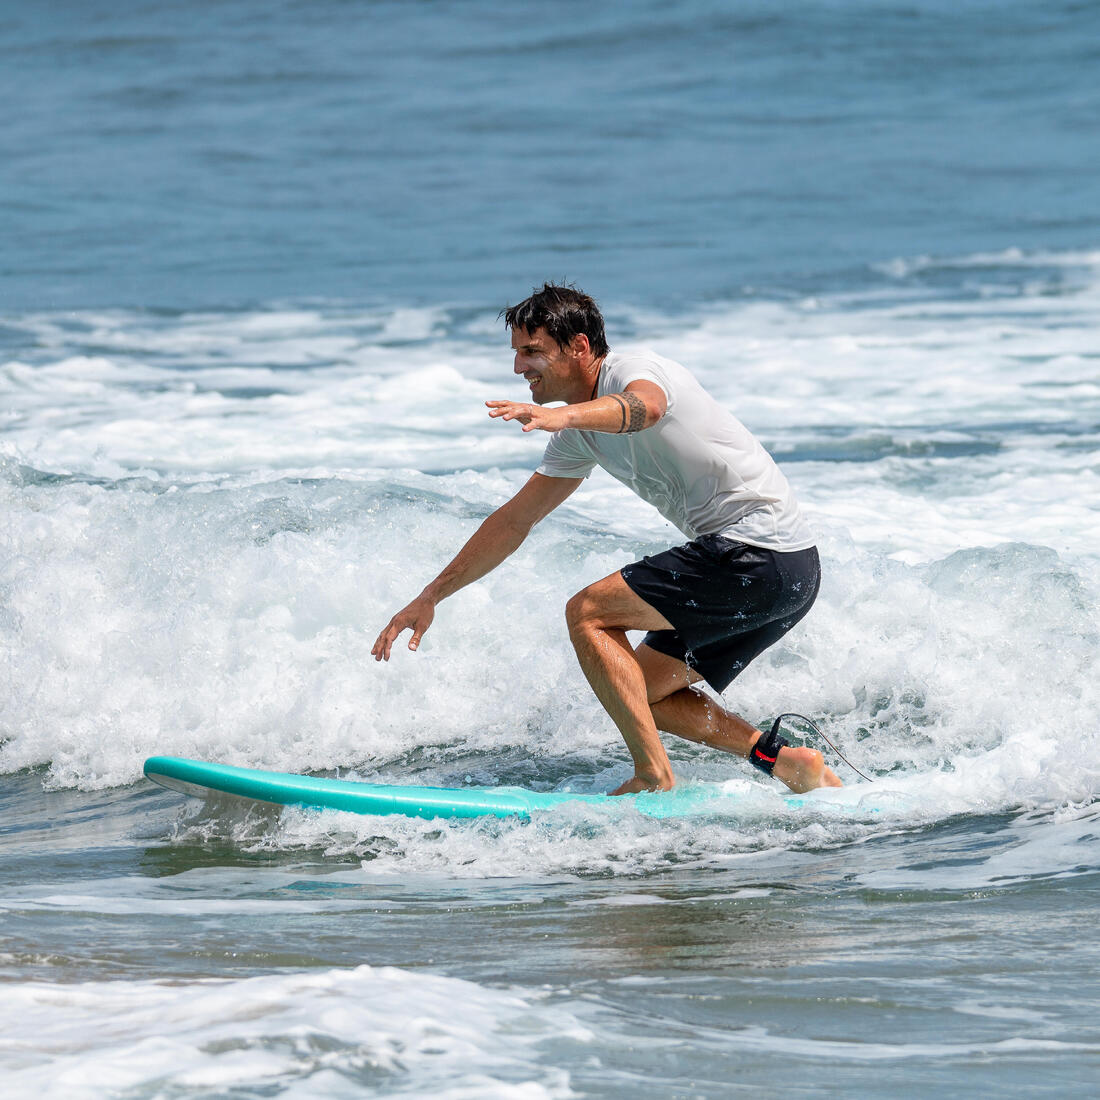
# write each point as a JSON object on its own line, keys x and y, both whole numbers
{"x": 632, "y": 364}
{"x": 637, "y": 353}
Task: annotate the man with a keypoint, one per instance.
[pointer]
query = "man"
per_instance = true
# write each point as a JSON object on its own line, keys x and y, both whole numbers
{"x": 749, "y": 574}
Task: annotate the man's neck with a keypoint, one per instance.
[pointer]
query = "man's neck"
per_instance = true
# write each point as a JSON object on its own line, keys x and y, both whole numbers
{"x": 587, "y": 391}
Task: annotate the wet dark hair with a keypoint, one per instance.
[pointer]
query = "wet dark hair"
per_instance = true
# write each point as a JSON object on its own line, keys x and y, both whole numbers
{"x": 564, "y": 311}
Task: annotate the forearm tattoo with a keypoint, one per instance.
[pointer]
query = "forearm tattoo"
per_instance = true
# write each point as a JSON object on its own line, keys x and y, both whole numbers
{"x": 633, "y": 409}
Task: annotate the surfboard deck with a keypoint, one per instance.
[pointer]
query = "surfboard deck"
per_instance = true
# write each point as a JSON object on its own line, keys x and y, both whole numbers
{"x": 201, "y": 778}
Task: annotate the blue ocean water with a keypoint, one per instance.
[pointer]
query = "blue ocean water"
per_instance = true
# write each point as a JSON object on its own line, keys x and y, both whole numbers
{"x": 250, "y": 272}
{"x": 214, "y": 154}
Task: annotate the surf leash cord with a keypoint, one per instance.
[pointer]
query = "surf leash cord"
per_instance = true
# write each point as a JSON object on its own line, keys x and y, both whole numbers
{"x": 813, "y": 725}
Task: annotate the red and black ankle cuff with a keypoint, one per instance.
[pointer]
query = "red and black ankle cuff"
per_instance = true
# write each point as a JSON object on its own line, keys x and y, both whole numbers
{"x": 764, "y": 753}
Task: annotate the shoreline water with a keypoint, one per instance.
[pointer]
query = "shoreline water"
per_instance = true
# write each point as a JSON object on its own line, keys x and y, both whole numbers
{"x": 175, "y": 583}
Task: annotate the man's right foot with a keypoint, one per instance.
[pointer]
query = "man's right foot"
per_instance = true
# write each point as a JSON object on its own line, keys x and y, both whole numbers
{"x": 803, "y": 769}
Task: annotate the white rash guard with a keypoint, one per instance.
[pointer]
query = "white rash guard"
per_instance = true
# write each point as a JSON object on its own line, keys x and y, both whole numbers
{"x": 699, "y": 466}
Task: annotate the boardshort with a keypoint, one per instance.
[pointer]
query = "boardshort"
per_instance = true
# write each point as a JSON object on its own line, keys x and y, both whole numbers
{"x": 726, "y": 600}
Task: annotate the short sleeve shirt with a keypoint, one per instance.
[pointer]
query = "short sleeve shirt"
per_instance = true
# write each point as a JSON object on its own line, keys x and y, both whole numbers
{"x": 699, "y": 466}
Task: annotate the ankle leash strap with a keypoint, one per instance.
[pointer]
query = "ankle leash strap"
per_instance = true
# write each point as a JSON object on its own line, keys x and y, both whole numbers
{"x": 763, "y": 754}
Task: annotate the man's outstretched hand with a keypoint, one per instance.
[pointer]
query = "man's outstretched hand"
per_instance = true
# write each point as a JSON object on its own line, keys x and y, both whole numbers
{"x": 417, "y": 617}
{"x": 530, "y": 416}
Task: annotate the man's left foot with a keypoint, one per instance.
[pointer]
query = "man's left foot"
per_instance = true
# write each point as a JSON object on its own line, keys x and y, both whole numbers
{"x": 637, "y": 784}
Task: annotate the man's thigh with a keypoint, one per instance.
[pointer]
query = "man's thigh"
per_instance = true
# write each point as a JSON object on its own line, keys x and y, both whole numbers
{"x": 612, "y": 603}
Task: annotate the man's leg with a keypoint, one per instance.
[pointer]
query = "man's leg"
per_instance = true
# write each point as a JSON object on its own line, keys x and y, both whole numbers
{"x": 599, "y": 617}
{"x": 645, "y": 690}
{"x": 690, "y": 714}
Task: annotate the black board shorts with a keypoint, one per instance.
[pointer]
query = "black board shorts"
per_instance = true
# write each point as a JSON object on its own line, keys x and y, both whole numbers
{"x": 727, "y": 601}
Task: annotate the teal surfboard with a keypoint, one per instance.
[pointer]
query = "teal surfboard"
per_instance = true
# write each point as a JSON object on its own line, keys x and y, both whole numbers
{"x": 200, "y": 779}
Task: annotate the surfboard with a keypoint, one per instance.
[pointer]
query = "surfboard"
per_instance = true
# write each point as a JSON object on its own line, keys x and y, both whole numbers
{"x": 200, "y": 779}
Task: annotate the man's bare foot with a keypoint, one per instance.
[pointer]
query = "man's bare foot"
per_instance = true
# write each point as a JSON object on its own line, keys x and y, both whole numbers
{"x": 639, "y": 783}
{"x": 803, "y": 769}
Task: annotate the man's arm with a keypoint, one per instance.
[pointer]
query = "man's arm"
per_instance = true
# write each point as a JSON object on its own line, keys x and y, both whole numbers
{"x": 499, "y": 535}
{"x": 638, "y": 407}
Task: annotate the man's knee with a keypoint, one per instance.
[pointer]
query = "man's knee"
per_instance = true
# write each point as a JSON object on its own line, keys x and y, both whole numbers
{"x": 609, "y": 604}
{"x": 581, "y": 611}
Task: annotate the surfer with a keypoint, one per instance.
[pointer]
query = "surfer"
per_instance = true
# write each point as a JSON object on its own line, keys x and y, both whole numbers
{"x": 749, "y": 573}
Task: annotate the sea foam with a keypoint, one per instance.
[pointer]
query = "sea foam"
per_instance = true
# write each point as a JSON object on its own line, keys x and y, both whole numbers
{"x": 211, "y": 516}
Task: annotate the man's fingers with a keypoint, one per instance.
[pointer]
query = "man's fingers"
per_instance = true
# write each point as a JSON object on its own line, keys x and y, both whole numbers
{"x": 384, "y": 646}
{"x": 417, "y": 617}
{"x": 509, "y": 410}
{"x": 381, "y": 650}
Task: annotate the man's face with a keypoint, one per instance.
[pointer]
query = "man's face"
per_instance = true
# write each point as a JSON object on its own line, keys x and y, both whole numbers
{"x": 549, "y": 371}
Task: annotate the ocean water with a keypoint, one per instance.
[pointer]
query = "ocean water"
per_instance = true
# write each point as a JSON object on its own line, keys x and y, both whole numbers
{"x": 250, "y": 274}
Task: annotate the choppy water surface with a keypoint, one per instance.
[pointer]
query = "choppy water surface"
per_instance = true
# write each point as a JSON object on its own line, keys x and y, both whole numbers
{"x": 221, "y": 472}
{"x": 311, "y": 956}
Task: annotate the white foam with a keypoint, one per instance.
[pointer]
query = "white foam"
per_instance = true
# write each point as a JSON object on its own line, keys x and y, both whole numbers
{"x": 329, "y": 1032}
{"x": 903, "y": 267}
{"x": 100, "y": 903}
{"x": 253, "y": 494}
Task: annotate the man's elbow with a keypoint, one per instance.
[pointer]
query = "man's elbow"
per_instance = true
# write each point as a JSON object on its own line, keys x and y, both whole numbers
{"x": 653, "y": 413}
{"x": 644, "y": 403}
